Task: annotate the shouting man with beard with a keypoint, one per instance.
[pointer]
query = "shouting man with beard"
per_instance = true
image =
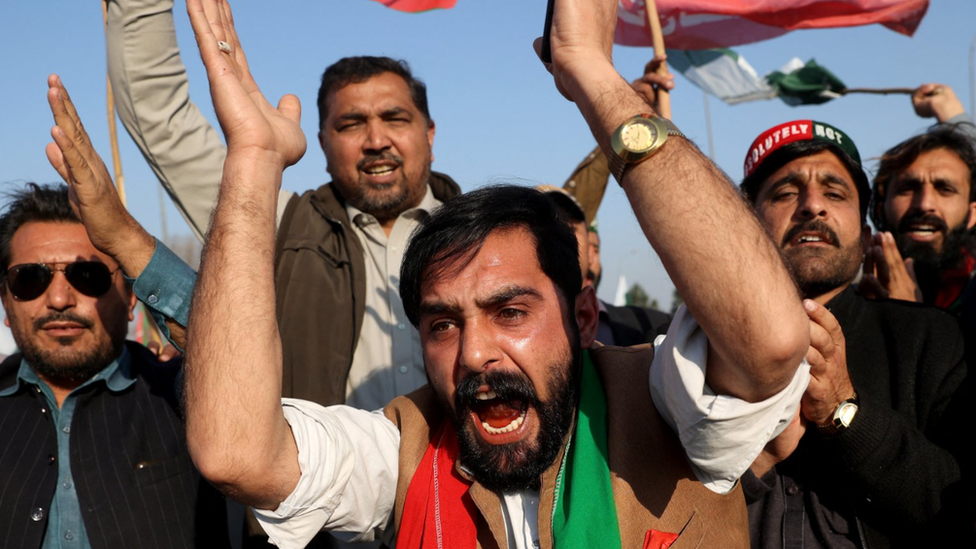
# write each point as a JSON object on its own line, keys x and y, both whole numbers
{"x": 520, "y": 439}
{"x": 870, "y": 460}
{"x": 90, "y": 424}
{"x": 925, "y": 198}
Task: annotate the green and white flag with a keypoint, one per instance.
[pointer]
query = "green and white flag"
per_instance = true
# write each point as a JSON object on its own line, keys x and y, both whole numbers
{"x": 728, "y": 76}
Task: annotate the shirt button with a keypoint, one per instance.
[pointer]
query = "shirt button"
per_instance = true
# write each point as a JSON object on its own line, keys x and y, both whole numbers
{"x": 37, "y": 515}
{"x": 792, "y": 489}
{"x": 69, "y": 536}
{"x": 43, "y": 410}
{"x": 66, "y": 429}
{"x": 403, "y": 369}
{"x": 401, "y": 326}
{"x": 66, "y": 485}
{"x": 50, "y": 459}
{"x": 152, "y": 299}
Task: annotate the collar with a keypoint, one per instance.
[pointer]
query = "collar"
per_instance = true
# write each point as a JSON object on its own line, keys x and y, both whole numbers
{"x": 427, "y": 203}
{"x": 117, "y": 375}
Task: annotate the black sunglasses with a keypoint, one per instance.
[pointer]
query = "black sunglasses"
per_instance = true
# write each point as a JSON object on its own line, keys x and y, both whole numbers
{"x": 29, "y": 281}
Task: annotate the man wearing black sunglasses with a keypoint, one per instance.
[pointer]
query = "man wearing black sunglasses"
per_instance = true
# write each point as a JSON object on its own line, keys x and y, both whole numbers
{"x": 90, "y": 424}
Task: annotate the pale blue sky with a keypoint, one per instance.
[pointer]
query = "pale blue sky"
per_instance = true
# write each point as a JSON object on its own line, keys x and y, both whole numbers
{"x": 498, "y": 115}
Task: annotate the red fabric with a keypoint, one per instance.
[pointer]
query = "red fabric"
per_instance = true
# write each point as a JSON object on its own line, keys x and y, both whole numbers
{"x": 418, "y": 527}
{"x": 702, "y": 24}
{"x": 954, "y": 281}
{"x": 414, "y": 6}
{"x": 655, "y": 539}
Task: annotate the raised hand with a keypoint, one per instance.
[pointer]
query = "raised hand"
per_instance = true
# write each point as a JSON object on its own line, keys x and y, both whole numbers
{"x": 249, "y": 122}
{"x": 936, "y": 100}
{"x": 886, "y": 274}
{"x": 582, "y": 43}
{"x": 93, "y": 196}
{"x": 649, "y": 84}
{"x": 830, "y": 383}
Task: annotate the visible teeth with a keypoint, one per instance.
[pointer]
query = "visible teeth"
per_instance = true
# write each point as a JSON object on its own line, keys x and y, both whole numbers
{"x": 515, "y": 424}
{"x": 487, "y": 395}
{"x": 380, "y": 170}
{"x": 810, "y": 239}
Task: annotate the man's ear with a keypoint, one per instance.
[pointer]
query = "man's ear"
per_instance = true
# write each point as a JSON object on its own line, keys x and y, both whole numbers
{"x": 132, "y": 304}
{"x": 971, "y": 220}
{"x": 431, "y": 130}
{"x": 587, "y": 316}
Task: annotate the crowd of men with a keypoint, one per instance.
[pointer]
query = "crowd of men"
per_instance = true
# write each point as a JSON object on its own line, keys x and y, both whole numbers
{"x": 388, "y": 360}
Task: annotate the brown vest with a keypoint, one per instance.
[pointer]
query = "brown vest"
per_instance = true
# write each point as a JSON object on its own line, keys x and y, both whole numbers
{"x": 653, "y": 485}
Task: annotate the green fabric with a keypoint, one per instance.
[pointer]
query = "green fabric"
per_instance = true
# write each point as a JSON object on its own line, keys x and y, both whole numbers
{"x": 585, "y": 514}
{"x": 810, "y": 85}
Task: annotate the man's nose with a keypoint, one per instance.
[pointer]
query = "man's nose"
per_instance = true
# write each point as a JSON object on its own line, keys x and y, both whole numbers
{"x": 924, "y": 199}
{"x": 377, "y": 137}
{"x": 60, "y": 295}
{"x": 812, "y": 205}
{"x": 478, "y": 351}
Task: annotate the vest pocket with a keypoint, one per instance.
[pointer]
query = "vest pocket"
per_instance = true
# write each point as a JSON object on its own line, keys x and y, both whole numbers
{"x": 149, "y": 472}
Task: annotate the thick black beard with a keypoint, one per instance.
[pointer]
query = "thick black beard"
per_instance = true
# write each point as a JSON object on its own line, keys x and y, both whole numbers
{"x": 930, "y": 263}
{"x": 67, "y": 365}
{"x": 518, "y": 466}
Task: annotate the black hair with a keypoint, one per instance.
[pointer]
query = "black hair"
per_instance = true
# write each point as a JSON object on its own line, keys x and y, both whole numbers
{"x": 454, "y": 233}
{"x": 897, "y": 159}
{"x": 355, "y": 70}
{"x": 33, "y": 203}
{"x": 798, "y": 149}
{"x": 570, "y": 210}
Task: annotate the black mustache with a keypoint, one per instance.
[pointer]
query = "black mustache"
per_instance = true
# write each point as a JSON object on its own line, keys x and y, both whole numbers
{"x": 507, "y": 385}
{"x": 62, "y": 317}
{"x": 813, "y": 226}
{"x": 919, "y": 217}
{"x": 376, "y": 157}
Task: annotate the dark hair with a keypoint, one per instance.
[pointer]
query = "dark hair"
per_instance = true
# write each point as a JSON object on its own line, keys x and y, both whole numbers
{"x": 454, "y": 233}
{"x": 787, "y": 153}
{"x": 897, "y": 159}
{"x": 569, "y": 210}
{"x": 33, "y": 203}
{"x": 355, "y": 70}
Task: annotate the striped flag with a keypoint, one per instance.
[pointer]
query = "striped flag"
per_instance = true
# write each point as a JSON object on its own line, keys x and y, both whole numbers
{"x": 706, "y": 24}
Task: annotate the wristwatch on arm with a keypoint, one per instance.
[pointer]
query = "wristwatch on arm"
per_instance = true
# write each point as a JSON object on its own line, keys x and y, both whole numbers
{"x": 636, "y": 140}
{"x": 842, "y": 418}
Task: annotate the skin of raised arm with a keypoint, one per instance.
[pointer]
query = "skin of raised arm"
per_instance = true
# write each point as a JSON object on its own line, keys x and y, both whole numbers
{"x": 236, "y": 430}
{"x": 720, "y": 259}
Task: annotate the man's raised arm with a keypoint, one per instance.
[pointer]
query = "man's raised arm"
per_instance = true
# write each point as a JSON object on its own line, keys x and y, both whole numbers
{"x": 236, "y": 430}
{"x": 722, "y": 262}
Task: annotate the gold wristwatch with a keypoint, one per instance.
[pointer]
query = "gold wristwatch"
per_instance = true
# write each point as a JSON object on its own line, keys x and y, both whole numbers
{"x": 842, "y": 418}
{"x": 637, "y": 139}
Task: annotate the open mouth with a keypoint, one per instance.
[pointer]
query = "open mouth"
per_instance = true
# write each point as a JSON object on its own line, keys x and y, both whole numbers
{"x": 498, "y": 416}
{"x": 810, "y": 237}
{"x": 923, "y": 229}
{"x": 380, "y": 170}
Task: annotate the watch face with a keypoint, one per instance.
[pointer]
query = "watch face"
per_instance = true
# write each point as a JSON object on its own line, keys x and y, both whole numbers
{"x": 639, "y": 135}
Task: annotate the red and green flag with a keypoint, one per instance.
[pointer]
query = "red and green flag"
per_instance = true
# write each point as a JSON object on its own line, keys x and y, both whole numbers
{"x": 705, "y": 24}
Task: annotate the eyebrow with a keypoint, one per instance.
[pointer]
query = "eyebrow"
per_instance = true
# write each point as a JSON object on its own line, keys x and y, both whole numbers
{"x": 499, "y": 298}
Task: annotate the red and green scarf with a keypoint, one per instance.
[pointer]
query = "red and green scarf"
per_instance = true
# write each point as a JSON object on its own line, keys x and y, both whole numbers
{"x": 439, "y": 512}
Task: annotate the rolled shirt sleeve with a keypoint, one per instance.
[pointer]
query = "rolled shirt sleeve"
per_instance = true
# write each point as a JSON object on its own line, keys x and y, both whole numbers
{"x": 166, "y": 287}
{"x": 348, "y": 459}
{"x": 721, "y": 435}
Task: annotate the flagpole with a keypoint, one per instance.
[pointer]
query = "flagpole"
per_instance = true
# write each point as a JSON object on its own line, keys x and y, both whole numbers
{"x": 657, "y": 38}
{"x": 878, "y": 91}
{"x": 708, "y": 126}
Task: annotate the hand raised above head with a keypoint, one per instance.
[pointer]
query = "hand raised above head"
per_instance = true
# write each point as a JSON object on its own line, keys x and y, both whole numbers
{"x": 936, "y": 100}
{"x": 652, "y": 81}
{"x": 581, "y": 40}
{"x": 249, "y": 122}
{"x": 93, "y": 195}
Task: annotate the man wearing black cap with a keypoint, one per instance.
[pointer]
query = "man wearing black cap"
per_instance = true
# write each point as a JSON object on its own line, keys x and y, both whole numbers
{"x": 872, "y": 453}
